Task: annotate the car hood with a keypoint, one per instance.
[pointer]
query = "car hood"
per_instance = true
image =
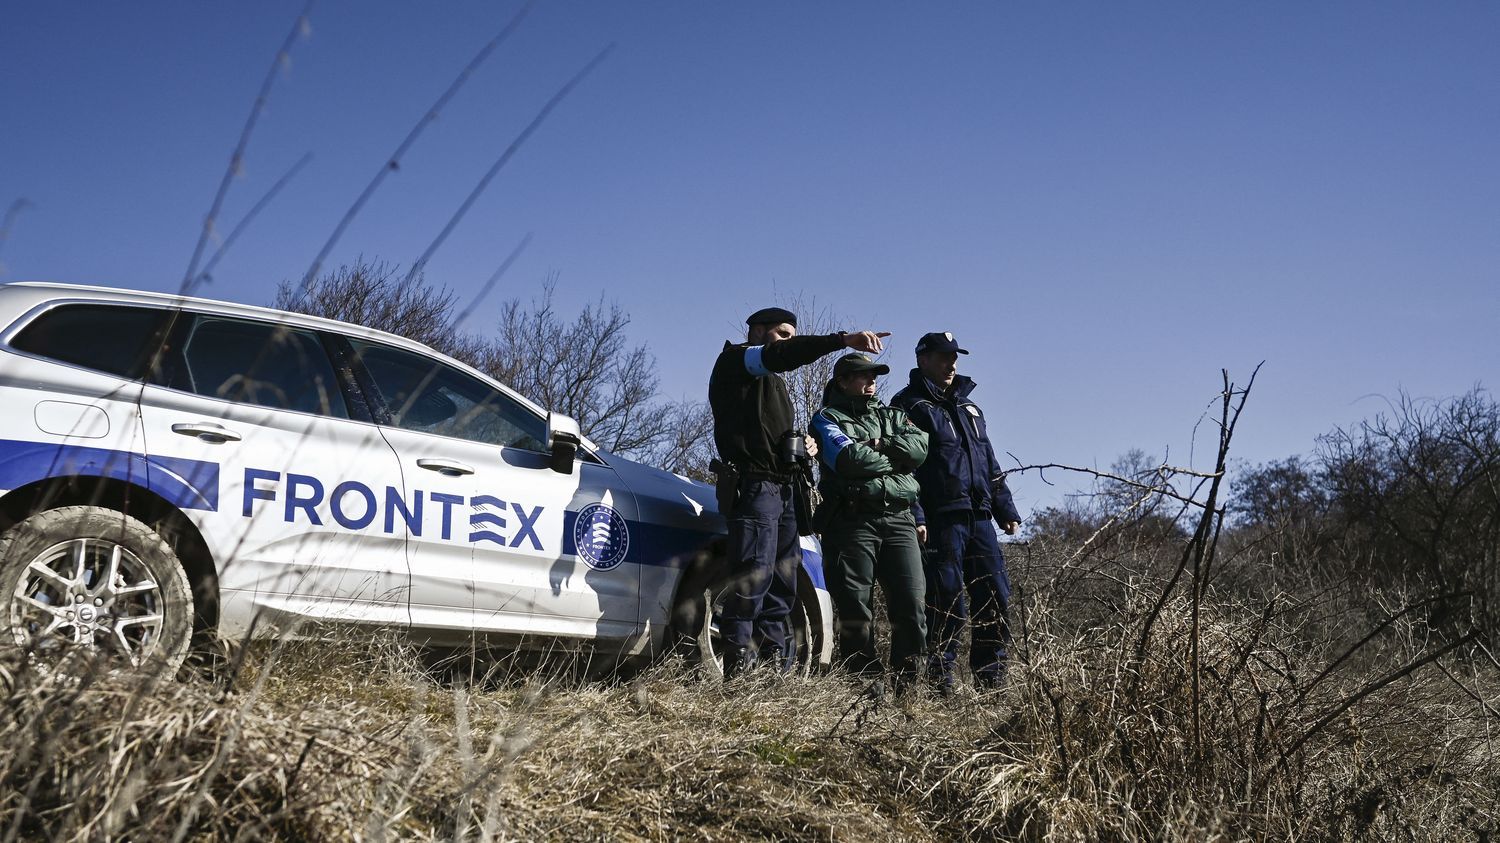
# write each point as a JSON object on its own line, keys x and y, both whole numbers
{"x": 668, "y": 498}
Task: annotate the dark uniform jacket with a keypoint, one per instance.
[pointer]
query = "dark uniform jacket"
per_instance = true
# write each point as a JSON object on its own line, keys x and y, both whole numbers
{"x": 961, "y": 472}
{"x": 856, "y": 475}
{"x": 752, "y": 410}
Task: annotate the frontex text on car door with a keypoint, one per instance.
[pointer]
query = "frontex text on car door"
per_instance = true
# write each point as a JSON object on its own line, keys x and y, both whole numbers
{"x": 306, "y": 486}
{"x": 511, "y": 548}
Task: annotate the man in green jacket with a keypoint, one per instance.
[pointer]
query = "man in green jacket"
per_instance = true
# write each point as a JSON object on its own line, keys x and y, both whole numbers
{"x": 868, "y": 453}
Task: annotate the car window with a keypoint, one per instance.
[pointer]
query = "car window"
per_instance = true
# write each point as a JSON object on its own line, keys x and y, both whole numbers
{"x": 426, "y": 395}
{"x": 259, "y": 363}
{"x": 106, "y": 338}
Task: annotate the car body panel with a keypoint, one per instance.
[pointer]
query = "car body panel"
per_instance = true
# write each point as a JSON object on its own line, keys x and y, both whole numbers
{"x": 313, "y": 517}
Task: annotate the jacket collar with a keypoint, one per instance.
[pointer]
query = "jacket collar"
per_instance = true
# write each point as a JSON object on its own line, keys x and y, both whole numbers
{"x": 962, "y": 386}
{"x": 835, "y": 398}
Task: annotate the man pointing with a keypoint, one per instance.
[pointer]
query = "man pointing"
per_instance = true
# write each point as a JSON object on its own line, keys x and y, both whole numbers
{"x": 753, "y": 429}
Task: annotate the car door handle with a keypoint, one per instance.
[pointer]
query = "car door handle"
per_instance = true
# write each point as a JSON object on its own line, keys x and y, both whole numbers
{"x": 207, "y": 431}
{"x": 452, "y": 468}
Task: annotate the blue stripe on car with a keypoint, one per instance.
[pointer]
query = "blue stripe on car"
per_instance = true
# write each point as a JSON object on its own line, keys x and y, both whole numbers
{"x": 812, "y": 562}
{"x": 660, "y": 546}
{"x": 186, "y": 484}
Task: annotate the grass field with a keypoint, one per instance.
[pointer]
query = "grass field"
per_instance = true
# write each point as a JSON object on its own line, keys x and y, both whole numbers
{"x": 1099, "y": 736}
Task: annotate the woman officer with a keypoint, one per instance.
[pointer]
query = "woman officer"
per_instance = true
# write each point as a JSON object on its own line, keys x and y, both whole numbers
{"x": 868, "y": 453}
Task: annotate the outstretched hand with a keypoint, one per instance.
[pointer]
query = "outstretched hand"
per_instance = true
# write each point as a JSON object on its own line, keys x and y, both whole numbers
{"x": 866, "y": 341}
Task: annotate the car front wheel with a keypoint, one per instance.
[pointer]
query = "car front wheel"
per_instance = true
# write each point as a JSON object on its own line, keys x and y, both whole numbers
{"x": 84, "y": 581}
{"x": 695, "y": 627}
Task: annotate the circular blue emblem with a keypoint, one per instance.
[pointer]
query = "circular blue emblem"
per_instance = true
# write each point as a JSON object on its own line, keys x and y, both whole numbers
{"x": 600, "y": 536}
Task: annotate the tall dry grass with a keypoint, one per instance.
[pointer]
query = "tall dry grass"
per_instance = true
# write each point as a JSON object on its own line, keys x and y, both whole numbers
{"x": 360, "y": 738}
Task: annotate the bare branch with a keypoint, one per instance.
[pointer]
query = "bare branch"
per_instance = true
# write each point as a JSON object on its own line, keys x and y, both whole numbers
{"x": 237, "y": 158}
{"x": 394, "y": 162}
{"x": 505, "y": 157}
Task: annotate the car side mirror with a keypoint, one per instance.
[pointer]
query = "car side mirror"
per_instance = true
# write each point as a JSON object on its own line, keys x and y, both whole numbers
{"x": 563, "y": 439}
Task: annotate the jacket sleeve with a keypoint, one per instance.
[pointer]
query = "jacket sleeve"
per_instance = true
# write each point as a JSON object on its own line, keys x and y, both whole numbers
{"x": 1001, "y": 500}
{"x": 789, "y": 354}
{"x": 928, "y": 472}
{"x": 849, "y": 459}
{"x": 908, "y": 443}
{"x": 917, "y": 513}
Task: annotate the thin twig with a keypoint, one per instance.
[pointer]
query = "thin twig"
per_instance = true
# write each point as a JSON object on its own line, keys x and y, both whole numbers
{"x": 237, "y": 158}
{"x": 1372, "y": 688}
{"x": 1370, "y": 636}
{"x": 1162, "y": 489}
{"x": 493, "y": 280}
{"x": 206, "y": 275}
{"x": 1484, "y": 704}
{"x": 11, "y": 213}
{"x": 505, "y": 157}
{"x": 394, "y": 162}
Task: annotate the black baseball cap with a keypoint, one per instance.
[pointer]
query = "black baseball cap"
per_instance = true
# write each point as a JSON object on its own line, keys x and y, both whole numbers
{"x": 856, "y": 362}
{"x": 772, "y": 316}
{"x": 938, "y": 341}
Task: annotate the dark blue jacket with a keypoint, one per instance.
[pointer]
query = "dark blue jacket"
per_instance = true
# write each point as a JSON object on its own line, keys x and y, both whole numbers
{"x": 961, "y": 472}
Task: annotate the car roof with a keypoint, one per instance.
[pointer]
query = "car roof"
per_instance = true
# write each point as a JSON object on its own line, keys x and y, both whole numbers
{"x": 32, "y": 294}
{"x": 49, "y": 291}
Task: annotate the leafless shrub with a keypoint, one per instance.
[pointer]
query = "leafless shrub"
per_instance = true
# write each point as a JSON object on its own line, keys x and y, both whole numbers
{"x": 377, "y": 295}
{"x": 584, "y": 366}
{"x": 1420, "y": 488}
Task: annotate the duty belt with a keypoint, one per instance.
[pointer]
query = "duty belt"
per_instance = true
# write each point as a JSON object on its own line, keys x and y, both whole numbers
{"x": 762, "y": 474}
{"x": 873, "y": 507}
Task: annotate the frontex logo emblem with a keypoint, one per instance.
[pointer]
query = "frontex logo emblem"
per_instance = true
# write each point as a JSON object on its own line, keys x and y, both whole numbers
{"x": 601, "y": 536}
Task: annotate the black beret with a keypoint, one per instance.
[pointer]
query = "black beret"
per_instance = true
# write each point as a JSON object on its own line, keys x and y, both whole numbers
{"x": 772, "y": 316}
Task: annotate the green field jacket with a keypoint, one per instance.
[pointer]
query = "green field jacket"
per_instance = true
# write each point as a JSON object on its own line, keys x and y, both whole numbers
{"x": 861, "y": 477}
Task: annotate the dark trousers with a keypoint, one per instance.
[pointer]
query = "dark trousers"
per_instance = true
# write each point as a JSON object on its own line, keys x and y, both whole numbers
{"x": 858, "y": 551}
{"x": 966, "y": 581}
{"x": 763, "y": 556}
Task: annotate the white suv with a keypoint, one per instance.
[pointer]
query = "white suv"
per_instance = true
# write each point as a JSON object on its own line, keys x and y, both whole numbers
{"x": 170, "y": 463}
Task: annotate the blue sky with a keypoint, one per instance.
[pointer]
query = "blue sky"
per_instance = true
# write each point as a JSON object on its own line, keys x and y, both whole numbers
{"x": 1106, "y": 202}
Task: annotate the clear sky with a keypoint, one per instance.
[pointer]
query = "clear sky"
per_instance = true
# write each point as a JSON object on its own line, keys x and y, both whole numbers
{"x": 1105, "y": 202}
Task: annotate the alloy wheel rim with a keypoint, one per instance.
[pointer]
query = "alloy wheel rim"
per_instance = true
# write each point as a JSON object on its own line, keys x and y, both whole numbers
{"x": 90, "y": 594}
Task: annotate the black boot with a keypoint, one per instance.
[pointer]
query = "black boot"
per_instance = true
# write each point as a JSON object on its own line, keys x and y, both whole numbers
{"x": 990, "y": 680}
{"x": 909, "y": 673}
{"x": 737, "y": 662}
{"x": 783, "y": 659}
{"x": 940, "y": 679}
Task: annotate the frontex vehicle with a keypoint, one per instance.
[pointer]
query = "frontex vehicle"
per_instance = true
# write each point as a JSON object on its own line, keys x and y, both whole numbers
{"x": 171, "y": 465}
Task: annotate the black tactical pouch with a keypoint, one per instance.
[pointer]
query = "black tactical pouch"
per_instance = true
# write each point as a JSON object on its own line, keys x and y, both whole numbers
{"x": 802, "y": 500}
{"x": 726, "y": 486}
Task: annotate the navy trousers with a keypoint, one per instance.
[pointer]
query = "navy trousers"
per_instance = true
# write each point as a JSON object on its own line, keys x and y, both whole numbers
{"x": 966, "y": 581}
{"x": 763, "y": 553}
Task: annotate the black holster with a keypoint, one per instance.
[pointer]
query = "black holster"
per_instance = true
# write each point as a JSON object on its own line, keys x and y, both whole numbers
{"x": 802, "y": 500}
{"x": 726, "y": 486}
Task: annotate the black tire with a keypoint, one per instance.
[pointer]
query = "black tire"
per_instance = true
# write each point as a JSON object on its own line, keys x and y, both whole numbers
{"x": 694, "y": 634}
{"x": 695, "y": 630}
{"x": 80, "y": 582}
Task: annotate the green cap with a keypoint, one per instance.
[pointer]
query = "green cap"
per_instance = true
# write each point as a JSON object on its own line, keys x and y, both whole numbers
{"x": 856, "y": 362}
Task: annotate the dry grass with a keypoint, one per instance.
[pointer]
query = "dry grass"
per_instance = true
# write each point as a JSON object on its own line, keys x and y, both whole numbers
{"x": 356, "y": 739}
